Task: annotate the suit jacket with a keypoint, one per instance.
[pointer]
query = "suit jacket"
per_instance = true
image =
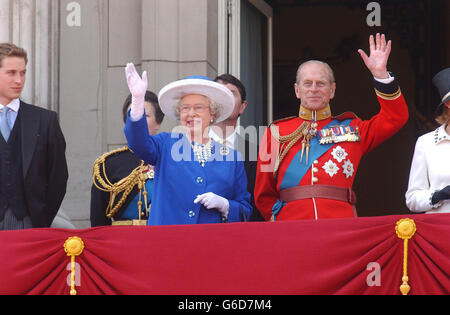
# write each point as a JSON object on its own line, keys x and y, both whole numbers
{"x": 249, "y": 152}
{"x": 44, "y": 163}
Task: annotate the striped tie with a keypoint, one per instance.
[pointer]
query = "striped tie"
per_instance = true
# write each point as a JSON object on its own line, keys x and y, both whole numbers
{"x": 4, "y": 125}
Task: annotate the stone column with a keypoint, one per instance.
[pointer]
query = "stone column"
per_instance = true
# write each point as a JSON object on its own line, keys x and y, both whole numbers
{"x": 82, "y": 87}
{"x": 179, "y": 38}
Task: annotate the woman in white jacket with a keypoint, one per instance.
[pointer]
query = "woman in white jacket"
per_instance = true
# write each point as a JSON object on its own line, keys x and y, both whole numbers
{"x": 429, "y": 180}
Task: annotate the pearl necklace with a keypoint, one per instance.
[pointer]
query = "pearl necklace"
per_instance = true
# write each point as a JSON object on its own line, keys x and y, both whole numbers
{"x": 202, "y": 152}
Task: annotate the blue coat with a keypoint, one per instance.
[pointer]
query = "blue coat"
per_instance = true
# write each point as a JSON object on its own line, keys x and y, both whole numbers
{"x": 179, "y": 178}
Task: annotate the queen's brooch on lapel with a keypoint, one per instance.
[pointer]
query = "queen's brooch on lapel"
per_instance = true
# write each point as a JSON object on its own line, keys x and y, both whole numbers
{"x": 337, "y": 134}
{"x": 224, "y": 151}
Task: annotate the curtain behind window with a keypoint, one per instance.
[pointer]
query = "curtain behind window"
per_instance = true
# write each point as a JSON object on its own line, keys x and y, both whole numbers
{"x": 252, "y": 23}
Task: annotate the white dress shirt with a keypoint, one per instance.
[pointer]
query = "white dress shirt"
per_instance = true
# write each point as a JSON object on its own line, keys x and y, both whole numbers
{"x": 430, "y": 172}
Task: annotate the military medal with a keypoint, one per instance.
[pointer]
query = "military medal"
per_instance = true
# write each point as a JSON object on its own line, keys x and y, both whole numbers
{"x": 339, "y": 134}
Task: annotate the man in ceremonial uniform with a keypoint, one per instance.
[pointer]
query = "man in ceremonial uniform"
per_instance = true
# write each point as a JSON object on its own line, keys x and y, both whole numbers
{"x": 307, "y": 164}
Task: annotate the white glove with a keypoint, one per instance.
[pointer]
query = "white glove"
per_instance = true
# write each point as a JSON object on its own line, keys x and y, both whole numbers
{"x": 138, "y": 88}
{"x": 213, "y": 201}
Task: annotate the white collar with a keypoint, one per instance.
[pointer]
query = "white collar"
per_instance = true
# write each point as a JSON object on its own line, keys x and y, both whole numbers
{"x": 14, "y": 105}
{"x": 441, "y": 135}
{"x": 230, "y": 140}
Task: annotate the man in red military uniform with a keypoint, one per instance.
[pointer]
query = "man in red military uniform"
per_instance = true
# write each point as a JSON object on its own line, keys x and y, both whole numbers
{"x": 307, "y": 164}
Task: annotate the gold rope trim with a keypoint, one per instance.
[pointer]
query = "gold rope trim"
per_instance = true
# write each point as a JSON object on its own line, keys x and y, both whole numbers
{"x": 290, "y": 140}
{"x": 137, "y": 177}
{"x": 405, "y": 229}
{"x": 74, "y": 246}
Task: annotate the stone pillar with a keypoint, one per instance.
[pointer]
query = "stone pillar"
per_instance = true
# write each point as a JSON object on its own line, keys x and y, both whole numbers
{"x": 124, "y": 45}
{"x": 4, "y": 21}
{"x": 179, "y": 38}
{"x": 83, "y": 85}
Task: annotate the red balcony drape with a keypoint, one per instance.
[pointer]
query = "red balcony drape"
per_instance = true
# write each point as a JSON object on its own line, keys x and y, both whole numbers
{"x": 261, "y": 258}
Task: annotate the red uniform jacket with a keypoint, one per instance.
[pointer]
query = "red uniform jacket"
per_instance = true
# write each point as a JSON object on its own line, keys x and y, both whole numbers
{"x": 333, "y": 164}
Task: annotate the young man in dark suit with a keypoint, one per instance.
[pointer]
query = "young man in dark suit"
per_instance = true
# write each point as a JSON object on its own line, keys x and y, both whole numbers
{"x": 33, "y": 168}
{"x": 225, "y": 133}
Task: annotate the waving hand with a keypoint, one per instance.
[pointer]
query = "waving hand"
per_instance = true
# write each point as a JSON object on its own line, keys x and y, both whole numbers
{"x": 379, "y": 55}
{"x": 138, "y": 87}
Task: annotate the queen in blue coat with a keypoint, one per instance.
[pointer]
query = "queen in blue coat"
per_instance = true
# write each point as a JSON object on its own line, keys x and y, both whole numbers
{"x": 197, "y": 180}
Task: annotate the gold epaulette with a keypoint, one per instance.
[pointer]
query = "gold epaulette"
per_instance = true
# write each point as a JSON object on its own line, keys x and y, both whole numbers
{"x": 106, "y": 155}
{"x": 137, "y": 177}
{"x": 274, "y": 130}
{"x": 283, "y": 120}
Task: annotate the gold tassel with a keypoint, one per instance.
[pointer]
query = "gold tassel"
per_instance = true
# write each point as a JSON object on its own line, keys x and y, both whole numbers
{"x": 405, "y": 229}
{"x": 74, "y": 246}
{"x": 308, "y": 146}
{"x": 303, "y": 149}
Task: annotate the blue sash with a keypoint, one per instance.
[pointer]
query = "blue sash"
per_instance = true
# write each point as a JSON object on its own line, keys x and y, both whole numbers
{"x": 297, "y": 170}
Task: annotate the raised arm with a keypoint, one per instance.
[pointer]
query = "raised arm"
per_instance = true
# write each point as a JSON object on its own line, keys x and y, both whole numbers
{"x": 145, "y": 146}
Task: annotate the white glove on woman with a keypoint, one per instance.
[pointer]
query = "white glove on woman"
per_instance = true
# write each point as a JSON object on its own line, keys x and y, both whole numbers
{"x": 138, "y": 88}
{"x": 213, "y": 201}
